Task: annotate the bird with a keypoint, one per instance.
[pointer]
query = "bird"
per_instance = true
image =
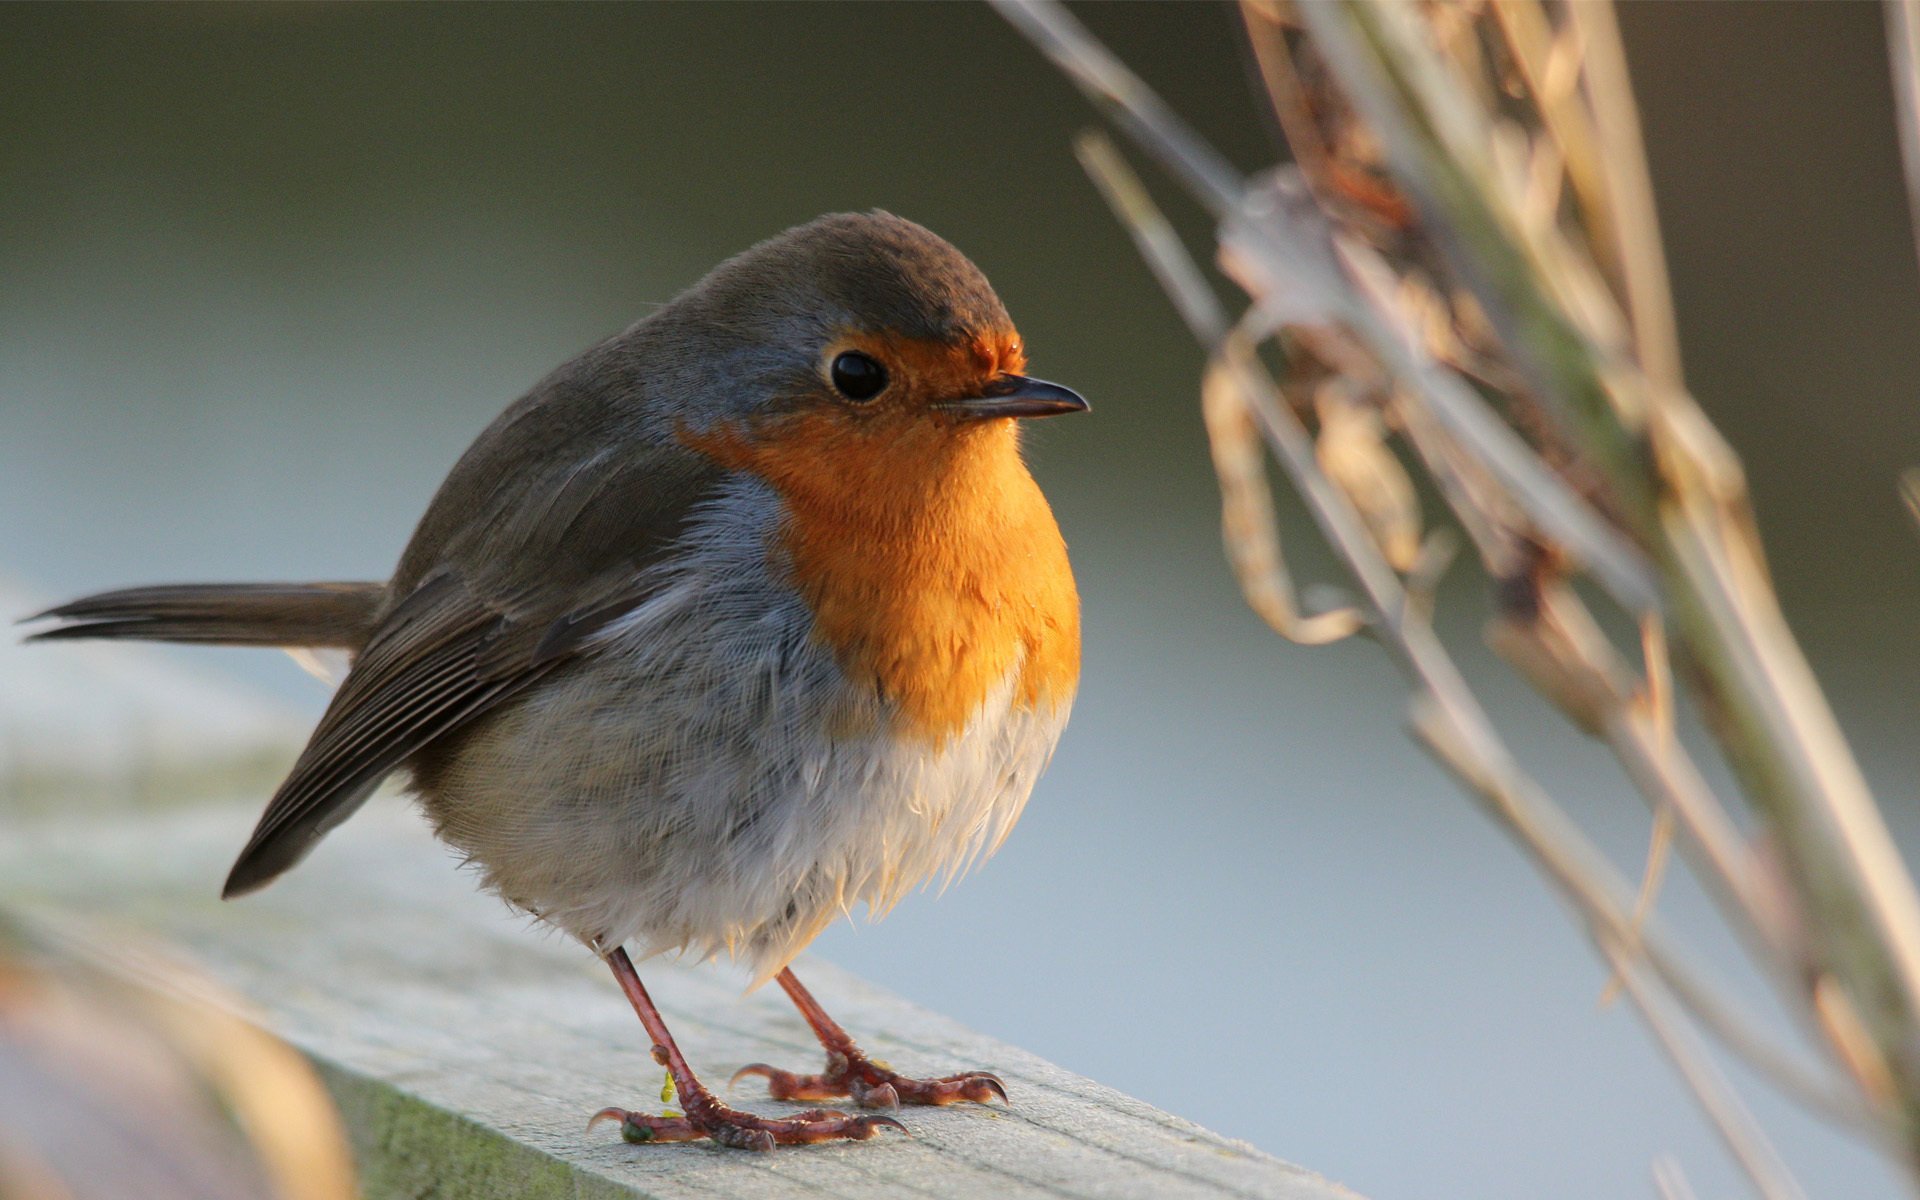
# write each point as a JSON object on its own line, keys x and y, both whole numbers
{"x": 749, "y": 614}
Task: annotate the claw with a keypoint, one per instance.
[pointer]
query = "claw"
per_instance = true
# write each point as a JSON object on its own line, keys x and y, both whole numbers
{"x": 875, "y": 1124}
{"x": 606, "y": 1114}
{"x": 978, "y": 1085}
{"x": 751, "y": 1069}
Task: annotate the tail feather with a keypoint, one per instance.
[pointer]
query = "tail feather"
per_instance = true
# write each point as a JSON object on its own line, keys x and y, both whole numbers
{"x": 337, "y": 615}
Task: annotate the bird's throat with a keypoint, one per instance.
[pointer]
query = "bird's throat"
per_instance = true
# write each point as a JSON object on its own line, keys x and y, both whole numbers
{"x": 932, "y": 563}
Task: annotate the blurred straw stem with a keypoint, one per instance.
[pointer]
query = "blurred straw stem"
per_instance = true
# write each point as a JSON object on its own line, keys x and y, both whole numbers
{"x": 1632, "y": 229}
{"x": 1684, "y": 492}
{"x": 1903, "y": 49}
{"x": 1729, "y": 1113}
{"x": 1433, "y": 260}
{"x": 1670, "y": 1180}
{"x": 1447, "y": 716}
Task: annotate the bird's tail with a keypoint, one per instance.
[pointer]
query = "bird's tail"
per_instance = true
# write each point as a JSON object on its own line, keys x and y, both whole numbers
{"x": 311, "y": 615}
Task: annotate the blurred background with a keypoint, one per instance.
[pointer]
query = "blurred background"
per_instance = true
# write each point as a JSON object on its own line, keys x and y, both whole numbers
{"x": 265, "y": 271}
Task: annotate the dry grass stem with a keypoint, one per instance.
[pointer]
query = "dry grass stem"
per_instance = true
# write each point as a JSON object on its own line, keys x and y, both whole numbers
{"x": 1657, "y": 702}
{"x": 1635, "y": 234}
{"x": 1729, "y": 1114}
{"x": 1670, "y": 1180}
{"x": 1451, "y": 725}
{"x": 1903, "y": 51}
{"x": 1681, "y": 490}
{"x": 1248, "y": 528}
{"x": 1465, "y": 259}
{"x": 1659, "y": 849}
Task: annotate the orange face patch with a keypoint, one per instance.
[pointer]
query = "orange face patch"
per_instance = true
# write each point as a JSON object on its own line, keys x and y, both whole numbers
{"x": 925, "y": 372}
{"x": 926, "y": 551}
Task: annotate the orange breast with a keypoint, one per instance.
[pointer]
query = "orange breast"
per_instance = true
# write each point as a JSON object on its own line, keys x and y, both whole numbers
{"x": 931, "y": 560}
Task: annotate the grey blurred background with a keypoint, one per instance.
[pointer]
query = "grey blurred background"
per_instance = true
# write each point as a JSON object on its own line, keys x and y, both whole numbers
{"x": 265, "y": 270}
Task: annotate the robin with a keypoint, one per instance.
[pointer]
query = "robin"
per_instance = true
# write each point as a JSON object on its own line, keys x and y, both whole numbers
{"x": 746, "y": 615}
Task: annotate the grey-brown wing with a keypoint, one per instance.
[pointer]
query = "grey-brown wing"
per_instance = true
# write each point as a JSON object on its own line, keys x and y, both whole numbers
{"x": 496, "y": 614}
{"x": 436, "y": 662}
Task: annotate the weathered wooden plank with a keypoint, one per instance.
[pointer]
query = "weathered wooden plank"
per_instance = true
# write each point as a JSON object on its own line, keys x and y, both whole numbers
{"x": 468, "y": 1050}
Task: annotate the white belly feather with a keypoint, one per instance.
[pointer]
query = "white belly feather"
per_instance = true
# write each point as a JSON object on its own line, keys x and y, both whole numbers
{"x": 708, "y": 780}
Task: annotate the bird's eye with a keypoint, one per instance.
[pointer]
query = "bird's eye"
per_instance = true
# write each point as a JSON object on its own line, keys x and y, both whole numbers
{"x": 858, "y": 376}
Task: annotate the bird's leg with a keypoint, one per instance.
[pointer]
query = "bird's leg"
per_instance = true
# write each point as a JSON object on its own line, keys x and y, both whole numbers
{"x": 851, "y": 1073}
{"x": 707, "y": 1117}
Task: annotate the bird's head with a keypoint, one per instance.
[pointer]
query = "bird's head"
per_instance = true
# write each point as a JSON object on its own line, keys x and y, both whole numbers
{"x": 856, "y": 341}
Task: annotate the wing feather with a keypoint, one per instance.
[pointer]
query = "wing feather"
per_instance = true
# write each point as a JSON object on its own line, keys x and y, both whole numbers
{"x": 481, "y": 619}
{"x": 419, "y": 677}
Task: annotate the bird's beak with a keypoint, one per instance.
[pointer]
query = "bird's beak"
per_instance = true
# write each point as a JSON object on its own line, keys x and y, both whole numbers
{"x": 1016, "y": 396}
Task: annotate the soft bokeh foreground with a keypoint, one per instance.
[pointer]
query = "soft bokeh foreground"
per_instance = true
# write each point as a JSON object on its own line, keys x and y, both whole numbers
{"x": 264, "y": 272}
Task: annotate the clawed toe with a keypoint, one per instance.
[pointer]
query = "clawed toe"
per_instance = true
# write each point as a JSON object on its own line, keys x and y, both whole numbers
{"x": 745, "y": 1131}
{"x": 785, "y": 1085}
{"x": 977, "y": 1087}
{"x": 871, "y": 1085}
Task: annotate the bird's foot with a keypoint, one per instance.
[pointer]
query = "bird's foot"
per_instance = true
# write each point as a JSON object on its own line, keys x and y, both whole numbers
{"x": 873, "y": 1084}
{"x": 708, "y": 1118}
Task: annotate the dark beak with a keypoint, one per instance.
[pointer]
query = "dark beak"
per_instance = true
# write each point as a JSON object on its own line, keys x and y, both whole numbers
{"x": 1016, "y": 396}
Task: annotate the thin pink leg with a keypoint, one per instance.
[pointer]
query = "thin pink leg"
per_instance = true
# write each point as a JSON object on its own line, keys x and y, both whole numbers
{"x": 851, "y": 1073}
{"x": 706, "y": 1116}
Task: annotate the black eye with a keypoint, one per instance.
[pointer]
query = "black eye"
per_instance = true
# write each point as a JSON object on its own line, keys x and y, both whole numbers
{"x": 858, "y": 376}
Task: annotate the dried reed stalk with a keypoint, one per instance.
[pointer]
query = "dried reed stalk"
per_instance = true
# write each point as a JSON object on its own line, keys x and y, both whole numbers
{"x": 1463, "y": 262}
